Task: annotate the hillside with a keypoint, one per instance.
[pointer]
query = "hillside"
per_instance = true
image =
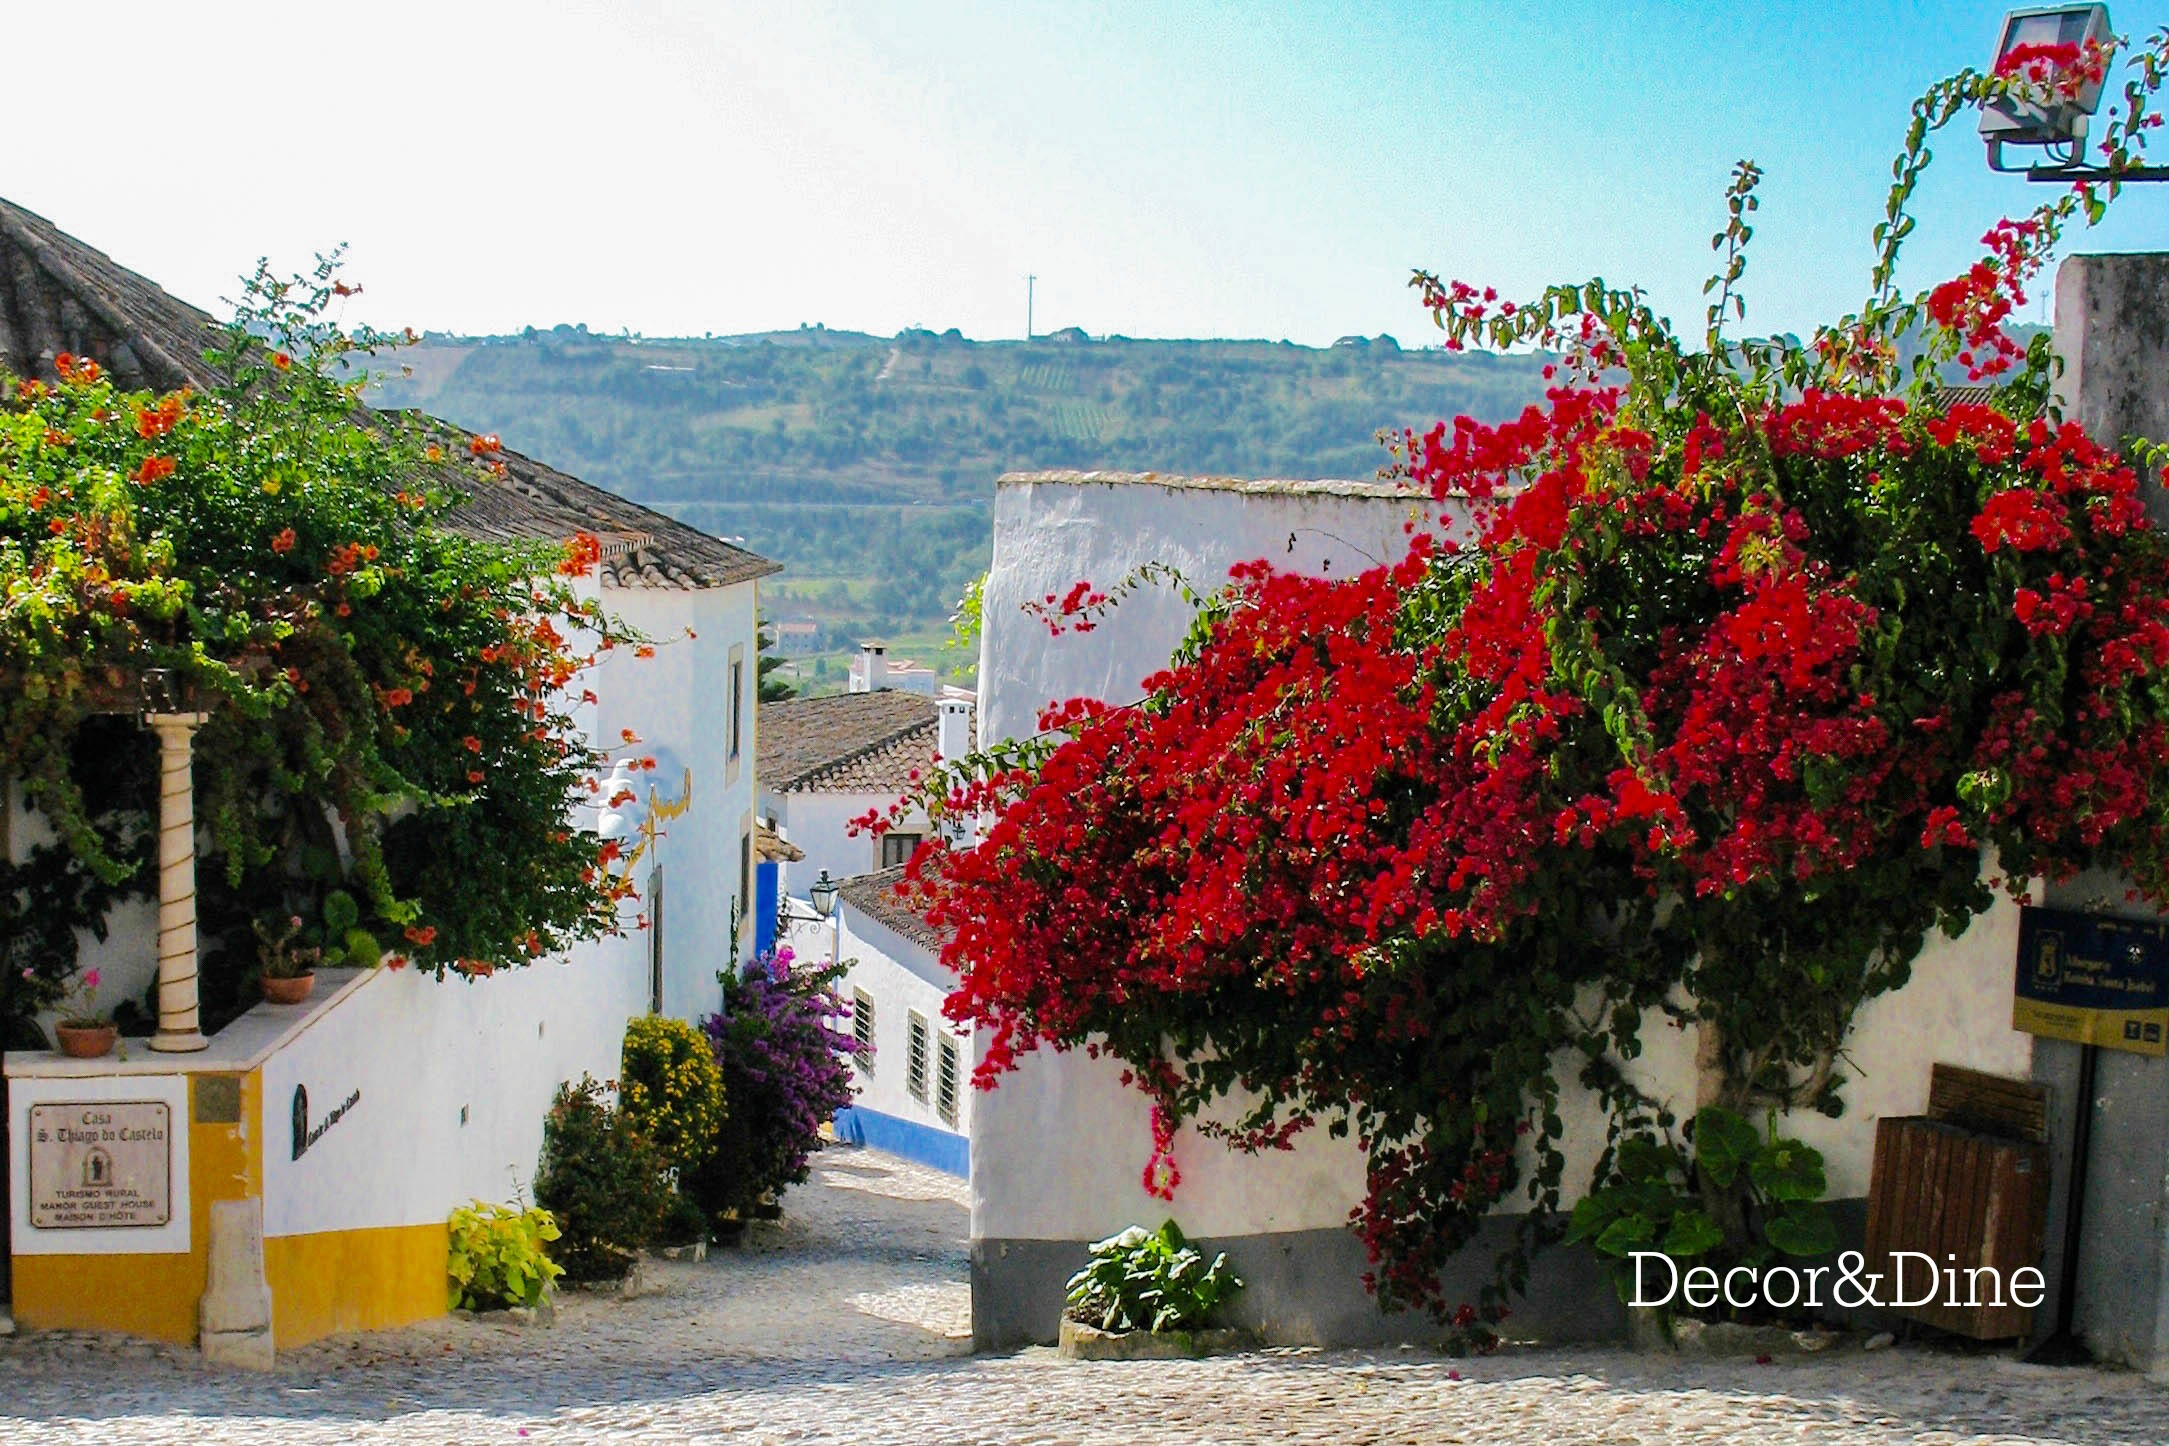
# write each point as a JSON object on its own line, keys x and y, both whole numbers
{"x": 866, "y": 464}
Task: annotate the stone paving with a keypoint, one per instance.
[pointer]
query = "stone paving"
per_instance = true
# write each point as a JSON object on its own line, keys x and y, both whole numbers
{"x": 848, "y": 1321}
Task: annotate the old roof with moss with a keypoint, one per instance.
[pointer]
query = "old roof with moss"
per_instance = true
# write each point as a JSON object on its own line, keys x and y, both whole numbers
{"x": 58, "y": 294}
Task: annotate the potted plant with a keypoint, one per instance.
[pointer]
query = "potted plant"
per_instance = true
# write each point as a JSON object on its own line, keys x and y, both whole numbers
{"x": 286, "y": 967}
{"x": 84, "y": 1030}
{"x": 1148, "y": 1295}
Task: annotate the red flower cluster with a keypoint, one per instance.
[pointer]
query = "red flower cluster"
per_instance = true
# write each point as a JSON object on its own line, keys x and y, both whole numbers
{"x": 1351, "y": 774}
{"x": 581, "y": 555}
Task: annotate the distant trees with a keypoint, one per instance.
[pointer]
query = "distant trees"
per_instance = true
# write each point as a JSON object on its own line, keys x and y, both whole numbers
{"x": 779, "y": 442}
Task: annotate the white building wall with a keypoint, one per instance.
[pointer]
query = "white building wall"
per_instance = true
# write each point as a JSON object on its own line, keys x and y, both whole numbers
{"x": 901, "y": 977}
{"x": 677, "y": 704}
{"x": 450, "y": 1081}
{"x": 819, "y": 825}
{"x": 454, "y": 1076}
{"x": 1059, "y": 1146}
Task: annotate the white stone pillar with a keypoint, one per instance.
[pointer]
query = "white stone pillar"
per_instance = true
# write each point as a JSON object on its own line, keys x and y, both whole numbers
{"x": 179, "y": 1029}
{"x": 234, "y": 1317}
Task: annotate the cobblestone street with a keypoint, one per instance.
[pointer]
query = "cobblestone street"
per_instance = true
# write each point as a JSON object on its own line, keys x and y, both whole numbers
{"x": 849, "y": 1322}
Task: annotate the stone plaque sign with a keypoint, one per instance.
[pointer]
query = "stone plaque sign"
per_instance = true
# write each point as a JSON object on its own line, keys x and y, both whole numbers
{"x": 101, "y": 1165}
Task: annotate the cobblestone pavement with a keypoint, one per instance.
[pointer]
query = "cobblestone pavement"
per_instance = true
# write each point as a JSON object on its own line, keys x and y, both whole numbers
{"x": 848, "y": 1322}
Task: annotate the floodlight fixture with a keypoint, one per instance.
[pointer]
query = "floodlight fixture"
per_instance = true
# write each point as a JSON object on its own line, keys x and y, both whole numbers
{"x": 2047, "y": 105}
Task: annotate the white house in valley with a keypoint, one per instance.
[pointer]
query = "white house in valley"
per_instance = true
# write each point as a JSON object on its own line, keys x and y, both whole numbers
{"x": 826, "y": 762}
{"x": 272, "y": 1143}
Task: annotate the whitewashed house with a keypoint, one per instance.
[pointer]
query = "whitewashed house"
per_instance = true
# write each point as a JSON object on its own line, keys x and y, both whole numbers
{"x": 319, "y": 1148}
{"x": 826, "y": 762}
{"x": 872, "y": 669}
{"x": 913, "y": 1068}
{"x": 1058, "y": 1147}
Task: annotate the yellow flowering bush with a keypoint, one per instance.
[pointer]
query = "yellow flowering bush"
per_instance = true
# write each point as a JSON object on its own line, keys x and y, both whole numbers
{"x": 670, "y": 1088}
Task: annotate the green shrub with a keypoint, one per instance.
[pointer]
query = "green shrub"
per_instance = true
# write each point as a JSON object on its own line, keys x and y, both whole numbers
{"x": 1741, "y": 1185}
{"x": 606, "y": 1183}
{"x": 498, "y": 1257}
{"x": 684, "y": 1222}
{"x": 1150, "y": 1280}
{"x": 670, "y": 1089}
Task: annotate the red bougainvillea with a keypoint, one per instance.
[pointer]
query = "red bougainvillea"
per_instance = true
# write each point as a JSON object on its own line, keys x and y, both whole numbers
{"x": 1749, "y": 654}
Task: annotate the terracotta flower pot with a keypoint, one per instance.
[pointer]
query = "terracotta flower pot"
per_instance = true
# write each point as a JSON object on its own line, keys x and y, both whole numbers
{"x": 291, "y": 989}
{"x": 86, "y": 1041}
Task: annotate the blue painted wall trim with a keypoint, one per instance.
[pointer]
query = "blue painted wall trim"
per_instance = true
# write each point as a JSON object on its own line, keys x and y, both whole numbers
{"x": 764, "y": 907}
{"x": 945, "y": 1150}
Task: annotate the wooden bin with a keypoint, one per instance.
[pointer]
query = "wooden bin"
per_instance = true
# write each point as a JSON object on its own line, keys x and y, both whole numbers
{"x": 1963, "y": 1197}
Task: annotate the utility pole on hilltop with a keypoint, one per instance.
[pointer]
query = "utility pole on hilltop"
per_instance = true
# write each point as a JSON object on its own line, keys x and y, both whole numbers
{"x": 1029, "y": 283}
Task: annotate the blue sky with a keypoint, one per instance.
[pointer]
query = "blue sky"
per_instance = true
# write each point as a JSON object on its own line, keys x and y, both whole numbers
{"x": 1196, "y": 169}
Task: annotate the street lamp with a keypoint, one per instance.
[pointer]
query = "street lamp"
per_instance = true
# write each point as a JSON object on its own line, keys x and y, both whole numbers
{"x": 823, "y": 893}
{"x": 2036, "y": 111}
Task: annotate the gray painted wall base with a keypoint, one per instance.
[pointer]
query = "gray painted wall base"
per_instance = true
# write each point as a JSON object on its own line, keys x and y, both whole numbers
{"x": 1301, "y": 1287}
{"x": 2122, "y": 1309}
{"x": 1305, "y": 1288}
{"x": 2112, "y": 332}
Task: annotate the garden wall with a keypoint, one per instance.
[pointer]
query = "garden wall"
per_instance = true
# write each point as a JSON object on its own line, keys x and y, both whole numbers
{"x": 362, "y": 1118}
{"x": 1058, "y": 1149}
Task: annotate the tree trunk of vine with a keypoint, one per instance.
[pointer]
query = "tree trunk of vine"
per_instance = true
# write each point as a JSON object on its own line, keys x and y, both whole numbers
{"x": 1727, "y": 1205}
{"x": 1709, "y": 1064}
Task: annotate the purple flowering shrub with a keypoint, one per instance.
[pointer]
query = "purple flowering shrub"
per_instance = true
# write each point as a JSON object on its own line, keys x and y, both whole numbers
{"x": 786, "y": 1070}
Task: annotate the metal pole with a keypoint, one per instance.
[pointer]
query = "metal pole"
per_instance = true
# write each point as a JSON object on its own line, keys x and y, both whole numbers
{"x": 2063, "y": 1347}
{"x": 1029, "y": 283}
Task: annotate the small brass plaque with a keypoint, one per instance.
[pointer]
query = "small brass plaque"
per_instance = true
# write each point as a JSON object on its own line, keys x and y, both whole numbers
{"x": 218, "y": 1099}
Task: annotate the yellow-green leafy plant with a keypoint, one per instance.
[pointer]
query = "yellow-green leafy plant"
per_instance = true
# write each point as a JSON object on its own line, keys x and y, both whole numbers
{"x": 498, "y": 1256}
{"x": 670, "y": 1088}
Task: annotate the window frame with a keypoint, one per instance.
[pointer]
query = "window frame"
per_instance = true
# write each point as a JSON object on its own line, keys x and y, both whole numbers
{"x": 949, "y": 1071}
{"x": 918, "y": 1052}
{"x": 737, "y": 725}
{"x": 862, "y": 1030}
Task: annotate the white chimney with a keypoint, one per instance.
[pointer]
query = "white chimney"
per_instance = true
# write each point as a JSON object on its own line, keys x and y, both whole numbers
{"x": 954, "y": 737}
{"x": 872, "y": 673}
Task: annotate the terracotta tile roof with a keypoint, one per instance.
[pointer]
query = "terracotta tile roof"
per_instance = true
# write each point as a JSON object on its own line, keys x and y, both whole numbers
{"x": 1946, "y": 398}
{"x": 846, "y": 743}
{"x": 875, "y": 896}
{"x": 59, "y": 295}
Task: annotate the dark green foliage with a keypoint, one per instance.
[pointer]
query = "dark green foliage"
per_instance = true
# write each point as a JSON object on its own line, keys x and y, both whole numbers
{"x": 798, "y": 443}
{"x": 1743, "y": 1198}
{"x": 1150, "y": 1280}
{"x": 51, "y": 893}
{"x": 607, "y": 1186}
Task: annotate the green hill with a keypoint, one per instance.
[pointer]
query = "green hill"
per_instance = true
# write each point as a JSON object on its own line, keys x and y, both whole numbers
{"x": 866, "y": 464}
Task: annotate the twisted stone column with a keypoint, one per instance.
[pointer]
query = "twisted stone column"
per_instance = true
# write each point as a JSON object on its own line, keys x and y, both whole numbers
{"x": 179, "y": 1030}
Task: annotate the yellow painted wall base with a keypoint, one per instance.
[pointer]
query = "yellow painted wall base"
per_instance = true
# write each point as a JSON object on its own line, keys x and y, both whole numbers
{"x": 354, "y": 1280}
{"x": 143, "y": 1295}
